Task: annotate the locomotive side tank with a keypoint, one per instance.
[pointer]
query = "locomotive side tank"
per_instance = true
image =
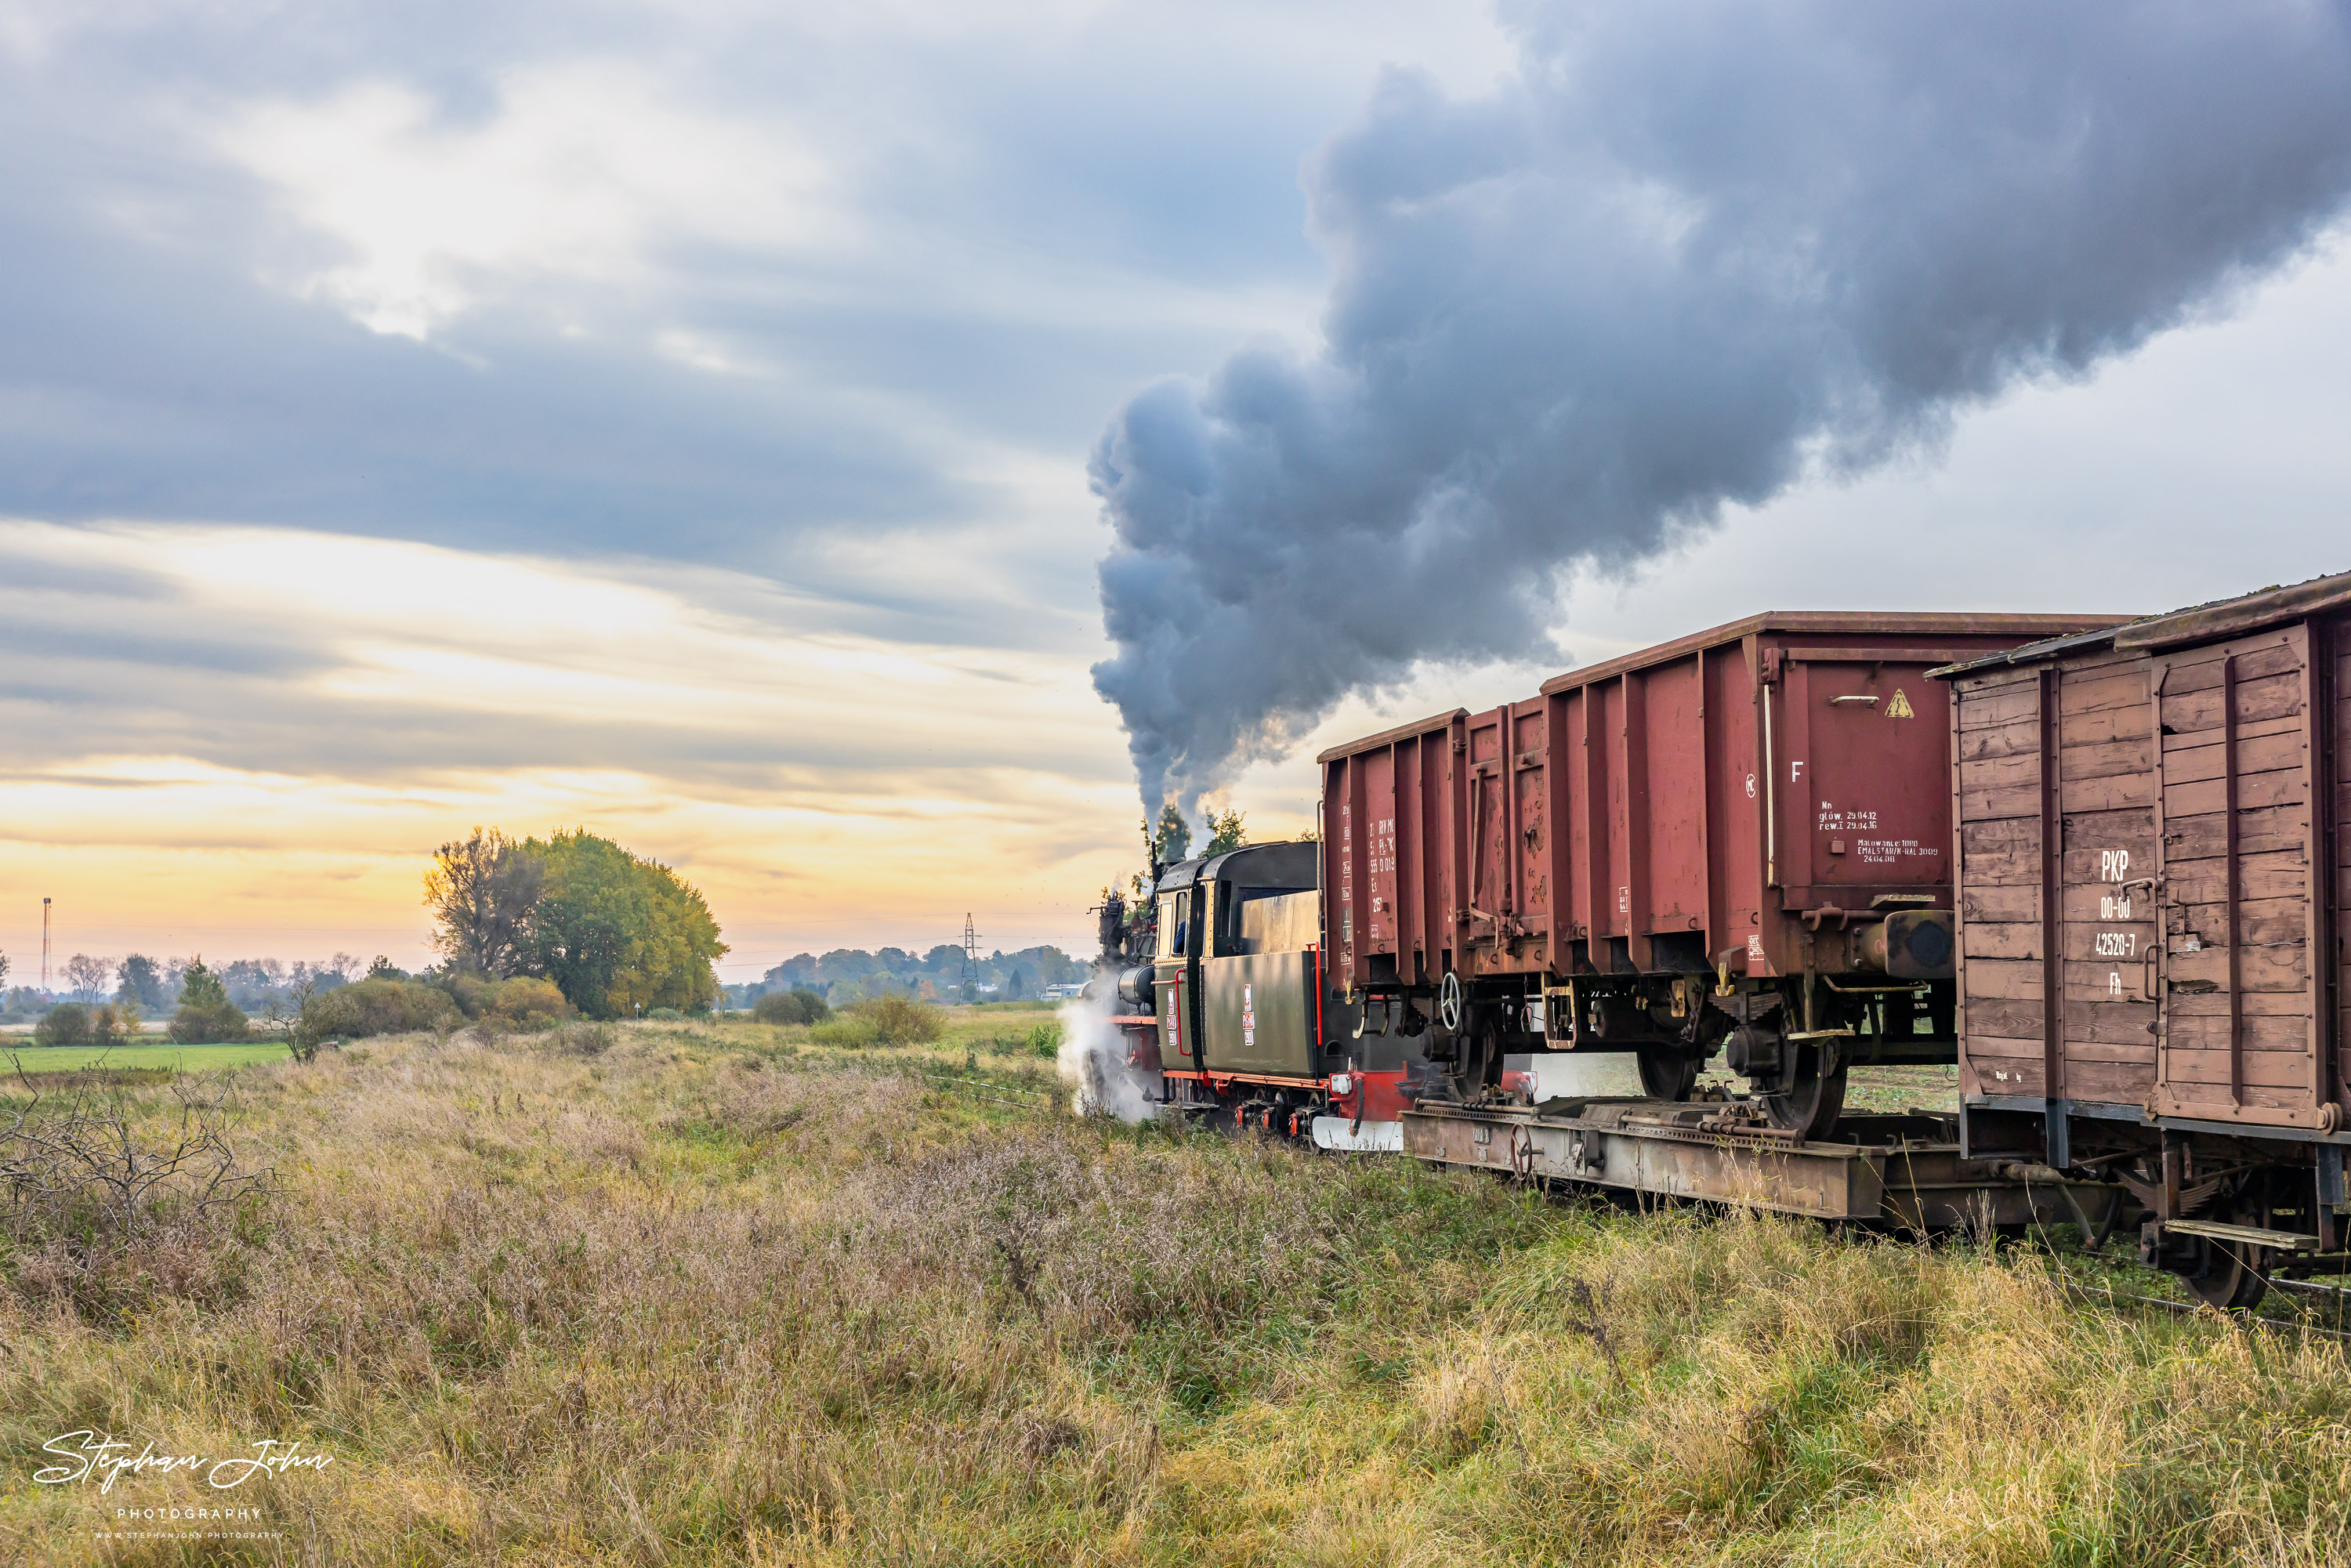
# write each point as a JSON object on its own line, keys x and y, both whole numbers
{"x": 2150, "y": 841}
{"x": 1738, "y": 841}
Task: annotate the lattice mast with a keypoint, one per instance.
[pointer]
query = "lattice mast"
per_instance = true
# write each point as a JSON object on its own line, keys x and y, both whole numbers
{"x": 970, "y": 976}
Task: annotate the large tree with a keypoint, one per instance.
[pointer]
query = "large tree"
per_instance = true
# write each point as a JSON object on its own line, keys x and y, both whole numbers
{"x": 483, "y": 891}
{"x": 141, "y": 980}
{"x": 88, "y": 975}
{"x": 616, "y": 933}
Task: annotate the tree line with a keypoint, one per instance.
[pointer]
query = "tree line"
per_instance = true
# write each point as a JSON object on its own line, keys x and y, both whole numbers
{"x": 851, "y": 974}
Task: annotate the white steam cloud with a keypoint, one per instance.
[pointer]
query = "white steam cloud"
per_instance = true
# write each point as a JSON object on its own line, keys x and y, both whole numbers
{"x": 1687, "y": 250}
{"x": 1092, "y": 1060}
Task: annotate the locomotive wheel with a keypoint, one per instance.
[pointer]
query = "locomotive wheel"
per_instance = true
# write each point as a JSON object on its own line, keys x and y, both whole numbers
{"x": 1667, "y": 1074}
{"x": 1803, "y": 1100}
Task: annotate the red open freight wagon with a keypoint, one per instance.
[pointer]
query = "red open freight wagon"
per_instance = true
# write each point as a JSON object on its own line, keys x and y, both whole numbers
{"x": 1757, "y": 815}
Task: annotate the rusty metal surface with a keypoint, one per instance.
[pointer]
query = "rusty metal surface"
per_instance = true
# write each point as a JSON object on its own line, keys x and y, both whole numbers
{"x": 1672, "y": 811}
{"x": 1906, "y": 1171}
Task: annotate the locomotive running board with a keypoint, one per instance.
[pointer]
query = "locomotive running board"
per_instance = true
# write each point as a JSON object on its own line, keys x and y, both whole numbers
{"x": 1903, "y": 1170}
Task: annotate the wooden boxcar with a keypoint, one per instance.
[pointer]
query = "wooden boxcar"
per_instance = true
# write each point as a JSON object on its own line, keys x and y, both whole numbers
{"x": 2149, "y": 842}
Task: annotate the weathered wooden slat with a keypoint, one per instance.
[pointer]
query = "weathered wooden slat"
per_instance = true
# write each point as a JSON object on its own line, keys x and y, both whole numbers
{"x": 2280, "y": 787}
{"x": 2258, "y": 755}
{"x": 1986, "y": 710}
{"x": 2005, "y": 1020}
{"x": 2011, "y": 739}
{"x": 2201, "y": 673}
{"x": 2120, "y": 1024}
{"x": 1995, "y": 905}
{"x": 2001, "y": 979}
{"x": 2269, "y": 830}
{"x": 2279, "y": 873}
{"x": 2110, "y": 1082}
{"x": 2003, "y": 941}
{"x": 2187, "y": 713}
{"x": 2262, "y": 1068}
{"x": 2259, "y": 968}
{"x": 2000, "y": 1067}
{"x": 1978, "y": 805}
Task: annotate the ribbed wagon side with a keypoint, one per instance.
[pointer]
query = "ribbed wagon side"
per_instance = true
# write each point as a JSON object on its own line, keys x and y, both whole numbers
{"x": 1737, "y": 841}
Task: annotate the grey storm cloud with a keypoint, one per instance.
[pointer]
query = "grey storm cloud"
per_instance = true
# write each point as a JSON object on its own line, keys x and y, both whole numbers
{"x": 1685, "y": 253}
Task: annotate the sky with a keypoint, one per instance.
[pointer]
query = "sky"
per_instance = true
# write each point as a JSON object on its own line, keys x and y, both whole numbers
{"x": 684, "y": 421}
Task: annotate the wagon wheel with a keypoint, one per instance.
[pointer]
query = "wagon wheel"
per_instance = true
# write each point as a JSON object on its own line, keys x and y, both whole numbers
{"x": 1802, "y": 1099}
{"x": 2229, "y": 1275}
{"x": 1667, "y": 1074}
{"x": 1480, "y": 1066}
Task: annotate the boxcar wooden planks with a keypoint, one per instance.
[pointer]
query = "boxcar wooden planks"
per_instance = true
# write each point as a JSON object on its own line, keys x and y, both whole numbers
{"x": 2235, "y": 724}
{"x": 2175, "y": 790}
{"x": 1996, "y": 778}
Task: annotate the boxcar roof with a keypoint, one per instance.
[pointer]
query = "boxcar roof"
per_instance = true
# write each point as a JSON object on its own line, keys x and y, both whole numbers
{"x": 1848, "y": 623}
{"x": 2196, "y": 623}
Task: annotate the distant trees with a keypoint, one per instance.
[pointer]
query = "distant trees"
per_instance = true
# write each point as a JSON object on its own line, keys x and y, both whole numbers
{"x": 848, "y": 974}
{"x": 87, "y": 976}
{"x": 616, "y": 934}
{"x": 206, "y": 1015}
{"x": 1173, "y": 839}
{"x": 1225, "y": 832}
{"x": 139, "y": 980}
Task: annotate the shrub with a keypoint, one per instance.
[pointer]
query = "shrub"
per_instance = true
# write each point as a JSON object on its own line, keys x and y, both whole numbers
{"x": 68, "y": 1023}
{"x": 206, "y": 1016}
{"x": 522, "y": 1002}
{"x": 665, "y": 1015}
{"x": 902, "y": 1021}
{"x": 1045, "y": 1040}
{"x": 113, "y": 1023}
{"x": 525, "y": 1002}
{"x": 375, "y": 1007}
{"x": 791, "y": 1007}
{"x": 107, "y": 1204}
{"x": 854, "y": 1030}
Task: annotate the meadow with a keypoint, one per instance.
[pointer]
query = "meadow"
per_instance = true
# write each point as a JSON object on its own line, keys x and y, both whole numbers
{"x": 721, "y": 1293}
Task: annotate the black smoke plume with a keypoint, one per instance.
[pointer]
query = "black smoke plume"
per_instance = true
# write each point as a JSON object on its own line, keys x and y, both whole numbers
{"x": 1688, "y": 251}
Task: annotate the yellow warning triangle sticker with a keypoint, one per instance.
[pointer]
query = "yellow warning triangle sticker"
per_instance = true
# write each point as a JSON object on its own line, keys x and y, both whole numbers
{"x": 1900, "y": 706}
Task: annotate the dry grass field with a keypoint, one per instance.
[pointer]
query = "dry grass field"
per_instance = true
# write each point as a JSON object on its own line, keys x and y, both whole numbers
{"x": 714, "y": 1293}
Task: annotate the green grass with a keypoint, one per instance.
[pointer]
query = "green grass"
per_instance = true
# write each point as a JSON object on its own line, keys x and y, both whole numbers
{"x": 128, "y": 1058}
{"x": 712, "y": 1293}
